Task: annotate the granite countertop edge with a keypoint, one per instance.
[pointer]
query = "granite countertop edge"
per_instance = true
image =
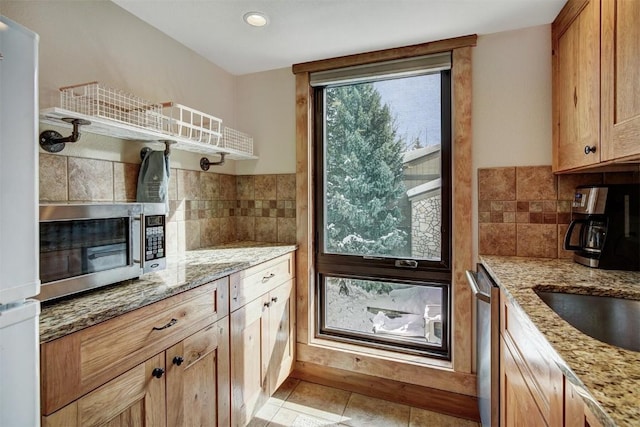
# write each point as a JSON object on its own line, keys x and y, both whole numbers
{"x": 607, "y": 377}
{"x": 184, "y": 272}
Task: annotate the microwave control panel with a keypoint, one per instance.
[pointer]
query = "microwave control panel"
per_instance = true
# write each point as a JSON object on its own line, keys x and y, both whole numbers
{"x": 154, "y": 236}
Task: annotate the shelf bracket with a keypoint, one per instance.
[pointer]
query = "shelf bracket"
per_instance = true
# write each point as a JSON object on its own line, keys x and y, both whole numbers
{"x": 167, "y": 149}
{"x": 53, "y": 142}
{"x": 205, "y": 163}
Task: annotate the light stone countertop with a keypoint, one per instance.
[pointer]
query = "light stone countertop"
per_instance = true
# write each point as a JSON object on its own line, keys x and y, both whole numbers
{"x": 609, "y": 375}
{"x": 184, "y": 272}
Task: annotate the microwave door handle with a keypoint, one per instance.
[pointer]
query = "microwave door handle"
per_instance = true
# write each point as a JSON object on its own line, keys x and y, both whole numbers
{"x": 567, "y": 237}
{"x": 132, "y": 247}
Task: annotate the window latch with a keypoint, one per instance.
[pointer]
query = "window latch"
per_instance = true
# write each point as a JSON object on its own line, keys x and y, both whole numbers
{"x": 406, "y": 263}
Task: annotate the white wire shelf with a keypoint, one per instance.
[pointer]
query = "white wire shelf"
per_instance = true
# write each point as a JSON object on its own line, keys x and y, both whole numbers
{"x": 115, "y": 129}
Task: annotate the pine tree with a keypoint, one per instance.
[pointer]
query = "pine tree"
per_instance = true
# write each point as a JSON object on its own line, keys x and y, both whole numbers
{"x": 363, "y": 173}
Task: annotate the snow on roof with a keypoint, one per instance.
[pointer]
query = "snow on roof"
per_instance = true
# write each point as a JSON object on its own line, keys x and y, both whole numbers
{"x": 424, "y": 190}
{"x": 418, "y": 153}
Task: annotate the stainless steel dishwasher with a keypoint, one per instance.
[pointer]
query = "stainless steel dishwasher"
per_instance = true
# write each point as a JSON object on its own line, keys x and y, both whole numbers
{"x": 487, "y": 301}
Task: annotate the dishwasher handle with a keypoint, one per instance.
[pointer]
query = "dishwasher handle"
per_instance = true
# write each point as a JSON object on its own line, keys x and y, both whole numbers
{"x": 473, "y": 284}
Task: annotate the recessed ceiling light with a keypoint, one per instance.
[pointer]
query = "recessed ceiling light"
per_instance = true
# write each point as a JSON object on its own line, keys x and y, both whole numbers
{"x": 255, "y": 19}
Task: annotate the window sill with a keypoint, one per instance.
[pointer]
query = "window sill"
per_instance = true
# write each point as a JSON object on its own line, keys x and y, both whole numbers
{"x": 391, "y": 356}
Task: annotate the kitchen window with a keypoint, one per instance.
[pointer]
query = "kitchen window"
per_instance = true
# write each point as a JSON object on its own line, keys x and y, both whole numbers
{"x": 383, "y": 204}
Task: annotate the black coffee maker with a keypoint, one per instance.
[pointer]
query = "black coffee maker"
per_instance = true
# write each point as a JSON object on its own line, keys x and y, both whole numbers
{"x": 605, "y": 227}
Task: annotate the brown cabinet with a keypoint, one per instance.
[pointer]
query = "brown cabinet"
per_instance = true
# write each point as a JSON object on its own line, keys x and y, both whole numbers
{"x": 531, "y": 391}
{"x": 596, "y": 107}
{"x": 164, "y": 364}
{"x": 262, "y": 335}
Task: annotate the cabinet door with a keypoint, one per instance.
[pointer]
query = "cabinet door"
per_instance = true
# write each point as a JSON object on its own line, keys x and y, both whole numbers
{"x": 249, "y": 342}
{"x": 198, "y": 378}
{"x": 135, "y": 398}
{"x": 620, "y": 77}
{"x": 573, "y": 407}
{"x": 576, "y": 85}
{"x": 281, "y": 334}
{"x": 517, "y": 405}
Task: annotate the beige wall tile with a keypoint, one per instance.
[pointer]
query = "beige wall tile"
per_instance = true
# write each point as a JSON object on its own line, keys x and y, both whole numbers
{"x": 191, "y": 235}
{"x": 497, "y": 184}
{"x": 227, "y": 229}
{"x": 188, "y": 185}
{"x": 90, "y": 180}
{"x": 210, "y": 232}
{"x": 245, "y": 228}
{"x": 535, "y": 183}
{"x": 497, "y": 239}
{"x": 125, "y": 181}
{"x": 266, "y": 229}
{"x": 173, "y": 184}
{"x": 172, "y": 238}
{"x": 537, "y": 240}
{"x": 228, "y": 187}
{"x": 265, "y": 187}
{"x": 286, "y": 187}
{"x": 286, "y": 230}
{"x": 53, "y": 178}
{"x": 245, "y": 187}
{"x": 209, "y": 186}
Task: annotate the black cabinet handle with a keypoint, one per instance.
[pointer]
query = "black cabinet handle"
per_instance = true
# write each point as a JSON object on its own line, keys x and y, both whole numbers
{"x": 157, "y": 372}
{"x": 274, "y": 299}
{"x": 588, "y": 149}
{"x": 268, "y": 277}
{"x": 266, "y": 304}
{"x": 168, "y": 325}
{"x": 178, "y": 360}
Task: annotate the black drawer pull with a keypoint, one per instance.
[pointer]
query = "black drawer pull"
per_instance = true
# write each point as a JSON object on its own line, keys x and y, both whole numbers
{"x": 274, "y": 299}
{"x": 168, "y": 325}
{"x": 157, "y": 372}
{"x": 268, "y": 277}
{"x": 178, "y": 360}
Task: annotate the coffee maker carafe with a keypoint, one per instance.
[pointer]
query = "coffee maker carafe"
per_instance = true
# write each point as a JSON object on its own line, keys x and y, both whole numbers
{"x": 605, "y": 227}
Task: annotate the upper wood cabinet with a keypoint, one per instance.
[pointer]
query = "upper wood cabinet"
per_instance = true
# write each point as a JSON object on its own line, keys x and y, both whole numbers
{"x": 596, "y": 98}
{"x": 620, "y": 79}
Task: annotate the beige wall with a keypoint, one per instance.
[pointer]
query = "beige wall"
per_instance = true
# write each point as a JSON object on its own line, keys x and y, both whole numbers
{"x": 266, "y": 109}
{"x": 83, "y": 41}
{"x": 511, "y": 102}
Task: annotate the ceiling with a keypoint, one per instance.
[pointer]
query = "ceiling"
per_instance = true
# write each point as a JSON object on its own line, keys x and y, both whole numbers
{"x": 307, "y": 30}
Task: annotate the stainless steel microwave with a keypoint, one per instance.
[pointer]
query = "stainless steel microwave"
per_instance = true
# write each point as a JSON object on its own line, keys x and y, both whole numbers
{"x": 85, "y": 246}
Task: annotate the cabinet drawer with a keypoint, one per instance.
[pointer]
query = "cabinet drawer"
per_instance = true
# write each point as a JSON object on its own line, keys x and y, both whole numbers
{"x": 78, "y": 363}
{"x": 542, "y": 376}
{"x": 249, "y": 284}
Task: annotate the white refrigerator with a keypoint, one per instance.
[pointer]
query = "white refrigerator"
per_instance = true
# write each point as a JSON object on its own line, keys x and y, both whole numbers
{"x": 19, "y": 232}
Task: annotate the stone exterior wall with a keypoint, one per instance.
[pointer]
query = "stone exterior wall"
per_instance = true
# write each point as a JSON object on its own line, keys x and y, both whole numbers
{"x": 425, "y": 229}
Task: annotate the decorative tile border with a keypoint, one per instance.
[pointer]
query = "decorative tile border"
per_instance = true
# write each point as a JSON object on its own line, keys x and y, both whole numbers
{"x": 525, "y": 211}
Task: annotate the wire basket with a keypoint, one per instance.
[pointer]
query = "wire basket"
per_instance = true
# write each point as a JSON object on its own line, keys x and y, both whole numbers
{"x": 94, "y": 99}
{"x": 191, "y": 124}
{"x": 237, "y": 140}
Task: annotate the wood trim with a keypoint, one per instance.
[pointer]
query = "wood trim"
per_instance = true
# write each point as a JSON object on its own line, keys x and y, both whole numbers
{"x": 304, "y": 207}
{"x": 462, "y": 208}
{"x": 567, "y": 15}
{"x": 461, "y": 378}
{"x": 386, "y": 54}
{"x": 414, "y": 373}
{"x": 458, "y": 405}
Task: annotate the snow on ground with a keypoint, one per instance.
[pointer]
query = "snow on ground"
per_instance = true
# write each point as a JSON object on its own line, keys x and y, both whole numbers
{"x": 349, "y": 312}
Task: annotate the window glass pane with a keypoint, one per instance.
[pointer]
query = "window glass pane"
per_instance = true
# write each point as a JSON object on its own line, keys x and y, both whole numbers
{"x": 382, "y": 168}
{"x": 384, "y": 311}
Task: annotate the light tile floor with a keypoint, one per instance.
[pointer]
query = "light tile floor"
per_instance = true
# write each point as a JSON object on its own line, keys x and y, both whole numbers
{"x": 303, "y": 404}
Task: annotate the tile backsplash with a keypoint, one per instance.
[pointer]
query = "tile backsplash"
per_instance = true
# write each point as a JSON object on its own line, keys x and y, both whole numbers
{"x": 525, "y": 211}
{"x": 205, "y": 208}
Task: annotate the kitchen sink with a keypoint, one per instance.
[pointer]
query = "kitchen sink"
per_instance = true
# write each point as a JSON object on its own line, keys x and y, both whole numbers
{"x": 615, "y": 321}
